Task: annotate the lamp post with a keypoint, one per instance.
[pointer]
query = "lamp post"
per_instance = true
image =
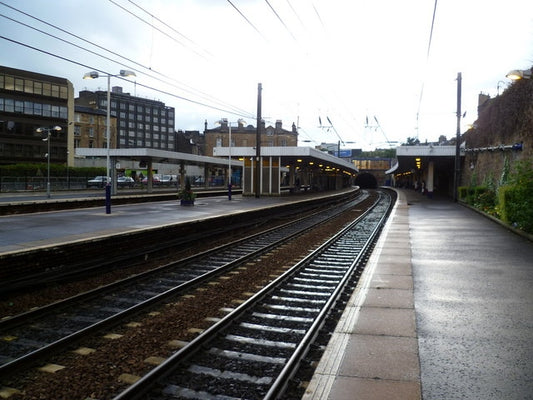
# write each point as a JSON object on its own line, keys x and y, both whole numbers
{"x": 94, "y": 75}
{"x": 47, "y": 139}
{"x": 240, "y": 121}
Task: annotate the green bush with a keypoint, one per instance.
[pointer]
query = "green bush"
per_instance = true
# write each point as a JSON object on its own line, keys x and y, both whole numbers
{"x": 515, "y": 200}
{"x": 479, "y": 196}
{"x": 516, "y": 207}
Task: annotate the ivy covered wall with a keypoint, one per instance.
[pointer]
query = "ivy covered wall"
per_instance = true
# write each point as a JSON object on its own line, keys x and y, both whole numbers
{"x": 502, "y": 121}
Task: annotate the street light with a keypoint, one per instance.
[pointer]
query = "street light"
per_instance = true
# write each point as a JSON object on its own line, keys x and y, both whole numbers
{"x": 240, "y": 121}
{"x": 47, "y": 139}
{"x": 520, "y": 74}
{"x": 94, "y": 75}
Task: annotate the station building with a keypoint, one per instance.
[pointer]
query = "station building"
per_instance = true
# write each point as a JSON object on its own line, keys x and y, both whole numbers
{"x": 431, "y": 167}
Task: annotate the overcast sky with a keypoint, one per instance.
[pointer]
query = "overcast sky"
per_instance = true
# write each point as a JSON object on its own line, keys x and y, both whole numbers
{"x": 364, "y": 68}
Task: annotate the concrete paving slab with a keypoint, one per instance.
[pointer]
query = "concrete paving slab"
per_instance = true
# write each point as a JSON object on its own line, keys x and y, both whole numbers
{"x": 374, "y": 389}
{"x": 393, "y": 298}
{"x": 386, "y": 321}
{"x": 381, "y": 357}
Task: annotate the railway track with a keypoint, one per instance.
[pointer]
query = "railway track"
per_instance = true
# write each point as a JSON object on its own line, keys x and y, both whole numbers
{"x": 255, "y": 350}
{"x": 39, "y": 333}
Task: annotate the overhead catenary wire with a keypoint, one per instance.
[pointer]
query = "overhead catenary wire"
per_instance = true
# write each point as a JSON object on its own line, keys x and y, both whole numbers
{"x": 247, "y": 20}
{"x": 154, "y": 27}
{"x": 427, "y": 59}
{"x": 144, "y": 69}
{"x": 281, "y": 20}
{"x": 137, "y": 83}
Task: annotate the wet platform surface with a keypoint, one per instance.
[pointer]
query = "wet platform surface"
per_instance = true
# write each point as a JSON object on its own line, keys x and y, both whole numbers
{"x": 28, "y": 231}
{"x": 444, "y": 310}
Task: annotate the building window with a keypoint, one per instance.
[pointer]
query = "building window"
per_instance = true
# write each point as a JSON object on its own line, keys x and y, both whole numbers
{"x": 218, "y": 142}
{"x": 76, "y": 143}
{"x": 55, "y": 90}
{"x": 63, "y": 92}
{"x": 9, "y": 83}
{"x": 28, "y": 107}
{"x": 28, "y": 86}
{"x": 77, "y": 130}
{"x": 9, "y": 105}
{"x": 37, "y": 109}
{"x": 91, "y": 131}
{"x": 19, "y": 106}
{"x": 19, "y": 85}
{"x": 47, "y": 89}
{"x": 38, "y": 87}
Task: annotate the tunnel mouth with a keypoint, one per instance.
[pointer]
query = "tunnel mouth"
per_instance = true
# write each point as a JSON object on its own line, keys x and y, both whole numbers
{"x": 366, "y": 180}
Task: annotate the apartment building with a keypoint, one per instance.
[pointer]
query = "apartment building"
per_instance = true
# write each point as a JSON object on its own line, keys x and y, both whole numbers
{"x": 140, "y": 122}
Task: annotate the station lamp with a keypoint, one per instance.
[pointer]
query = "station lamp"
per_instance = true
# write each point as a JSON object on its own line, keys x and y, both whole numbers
{"x": 47, "y": 139}
{"x": 94, "y": 75}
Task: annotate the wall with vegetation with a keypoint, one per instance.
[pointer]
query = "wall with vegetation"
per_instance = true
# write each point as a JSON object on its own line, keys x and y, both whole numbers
{"x": 495, "y": 178}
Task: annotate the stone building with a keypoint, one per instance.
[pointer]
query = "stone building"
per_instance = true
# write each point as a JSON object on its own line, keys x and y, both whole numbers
{"x": 90, "y": 128}
{"x": 245, "y": 136}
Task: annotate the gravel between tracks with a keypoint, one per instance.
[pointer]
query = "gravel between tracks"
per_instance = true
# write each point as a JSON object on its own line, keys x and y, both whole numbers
{"x": 110, "y": 362}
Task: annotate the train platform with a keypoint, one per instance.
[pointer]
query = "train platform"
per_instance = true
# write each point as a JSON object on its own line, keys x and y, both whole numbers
{"x": 24, "y": 232}
{"x": 444, "y": 310}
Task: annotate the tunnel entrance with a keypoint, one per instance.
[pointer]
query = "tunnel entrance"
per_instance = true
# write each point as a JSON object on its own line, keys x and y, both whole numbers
{"x": 366, "y": 180}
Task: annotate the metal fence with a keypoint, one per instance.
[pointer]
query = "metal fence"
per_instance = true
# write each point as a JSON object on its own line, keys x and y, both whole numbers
{"x": 15, "y": 183}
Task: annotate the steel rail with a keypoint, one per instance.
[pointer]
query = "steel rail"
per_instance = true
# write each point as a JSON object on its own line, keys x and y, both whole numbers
{"x": 139, "y": 389}
{"x": 17, "y": 321}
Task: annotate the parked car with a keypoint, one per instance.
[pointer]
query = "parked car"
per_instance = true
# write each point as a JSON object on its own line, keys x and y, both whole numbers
{"x": 97, "y": 181}
{"x": 199, "y": 181}
{"x": 169, "y": 180}
{"x": 156, "y": 180}
{"x": 125, "y": 181}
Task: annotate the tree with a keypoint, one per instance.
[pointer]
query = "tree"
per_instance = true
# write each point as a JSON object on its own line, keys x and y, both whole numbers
{"x": 411, "y": 142}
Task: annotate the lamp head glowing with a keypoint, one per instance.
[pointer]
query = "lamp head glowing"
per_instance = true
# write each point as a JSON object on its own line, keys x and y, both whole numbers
{"x": 91, "y": 75}
{"x": 519, "y": 74}
{"x": 125, "y": 72}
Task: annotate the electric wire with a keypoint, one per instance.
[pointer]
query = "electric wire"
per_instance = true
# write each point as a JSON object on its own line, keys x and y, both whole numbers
{"x": 137, "y": 83}
{"x": 247, "y": 20}
{"x": 191, "y": 90}
{"x": 281, "y": 20}
{"x": 154, "y": 27}
{"x": 170, "y": 27}
{"x": 427, "y": 59}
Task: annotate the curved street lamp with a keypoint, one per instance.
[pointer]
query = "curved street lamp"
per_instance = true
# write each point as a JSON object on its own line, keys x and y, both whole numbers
{"x": 520, "y": 74}
{"x": 94, "y": 75}
{"x": 47, "y": 139}
{"x": 239, "y": 121}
